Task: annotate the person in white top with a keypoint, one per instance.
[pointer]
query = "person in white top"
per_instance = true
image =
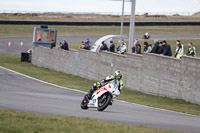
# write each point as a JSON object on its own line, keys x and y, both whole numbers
{"x": 179, "y": 49}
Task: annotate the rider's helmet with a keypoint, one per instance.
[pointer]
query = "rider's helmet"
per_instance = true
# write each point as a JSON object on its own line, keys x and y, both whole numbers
{"x": 97, "y": 85}
{"x": 118, "y": 75}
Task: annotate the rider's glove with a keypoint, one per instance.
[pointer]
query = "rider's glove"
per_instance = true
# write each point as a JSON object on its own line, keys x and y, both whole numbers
{"x": 103, "y": 82}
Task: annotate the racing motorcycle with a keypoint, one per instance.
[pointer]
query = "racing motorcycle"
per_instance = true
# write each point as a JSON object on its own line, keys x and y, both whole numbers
{"x": 101, "y": 98}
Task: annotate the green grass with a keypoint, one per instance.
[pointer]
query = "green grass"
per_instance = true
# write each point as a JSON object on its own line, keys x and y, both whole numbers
{"x": 15, "y": 122}
{"x": 27, "y": 30}
{"x": 13, "y": 62}
{"x": 66, "y": 80}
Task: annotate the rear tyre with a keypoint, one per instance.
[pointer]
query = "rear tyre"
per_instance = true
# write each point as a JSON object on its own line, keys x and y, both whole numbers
{"x": 104, "y": 101}
{"x": 84, "y": 103}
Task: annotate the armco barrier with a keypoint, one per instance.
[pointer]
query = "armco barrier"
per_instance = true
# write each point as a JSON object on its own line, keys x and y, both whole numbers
{"x": 95, "y": 23}
{"x": 149, "y": 73}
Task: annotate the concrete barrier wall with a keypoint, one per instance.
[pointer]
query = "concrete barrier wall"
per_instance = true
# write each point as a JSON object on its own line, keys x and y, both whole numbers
{"x": 190, "y": 80}
{"x": 55, "y": 59}
{"x": 148, "y": 73}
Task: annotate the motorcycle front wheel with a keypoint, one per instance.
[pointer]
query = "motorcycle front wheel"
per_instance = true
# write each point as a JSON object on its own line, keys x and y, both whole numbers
{"x": 104, "y": 101}
{"x": 84, "y": 103}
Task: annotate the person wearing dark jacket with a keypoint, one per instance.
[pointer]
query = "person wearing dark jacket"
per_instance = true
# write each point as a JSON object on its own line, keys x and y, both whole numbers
{"x": 88, "y": 43}
{"x": 191, "y": 50}
{"x": 166, "y": 49}
{"x": 156, "y": 47}
{"x": 103, "y": 47}
{"x": 64, "y": 45}
{"x": 160, "y": 49}
{"x": 112, "y": 47}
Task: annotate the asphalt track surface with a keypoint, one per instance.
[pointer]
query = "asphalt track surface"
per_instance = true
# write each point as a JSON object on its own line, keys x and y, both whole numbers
{"x": 27, "y": 41}
{"x": 22, "y": 93}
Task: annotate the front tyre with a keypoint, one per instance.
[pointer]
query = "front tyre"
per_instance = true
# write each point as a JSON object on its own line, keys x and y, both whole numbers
{"x": 104, "y": 101}
{"x": 84, "y": 103}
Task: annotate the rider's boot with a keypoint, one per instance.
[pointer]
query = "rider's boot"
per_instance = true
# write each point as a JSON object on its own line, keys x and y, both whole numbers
{"x": 111, "y": 102}
{"x": 95, "y": 87}
{"x": 89, "y": 95}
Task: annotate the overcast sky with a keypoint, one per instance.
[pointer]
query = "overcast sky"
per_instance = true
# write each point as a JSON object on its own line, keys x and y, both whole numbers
{"x": 100, "y": 5}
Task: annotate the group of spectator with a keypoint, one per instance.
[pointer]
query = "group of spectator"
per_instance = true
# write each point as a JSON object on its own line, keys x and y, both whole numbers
{"x": 86, "y": 44}
{"x": 163, "y": 48}
{"x": 120, "y": 49}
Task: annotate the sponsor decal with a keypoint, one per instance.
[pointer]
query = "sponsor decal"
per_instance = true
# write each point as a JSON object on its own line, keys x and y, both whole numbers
{"x": 101, "y": 89}
{"x": 115, "y": 87}
{"x": 94, "y": 100}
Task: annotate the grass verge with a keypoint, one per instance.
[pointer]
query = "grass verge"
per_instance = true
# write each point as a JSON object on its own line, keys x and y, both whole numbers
{"x": 15, "y": 122}
{"x": 27, "y": 30}
{"x": 66, "y": 80}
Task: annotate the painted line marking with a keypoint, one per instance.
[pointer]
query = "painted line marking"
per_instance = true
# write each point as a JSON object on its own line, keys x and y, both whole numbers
{"x": 86, "y": 92}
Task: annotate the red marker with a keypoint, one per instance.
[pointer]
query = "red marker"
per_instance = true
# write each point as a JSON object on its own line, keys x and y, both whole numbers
{"x": 21, "y": 44}
{"x": 9, "y": 44}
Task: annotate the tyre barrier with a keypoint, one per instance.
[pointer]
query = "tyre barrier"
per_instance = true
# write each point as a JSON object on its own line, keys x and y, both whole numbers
{"x": 84, "y": 23}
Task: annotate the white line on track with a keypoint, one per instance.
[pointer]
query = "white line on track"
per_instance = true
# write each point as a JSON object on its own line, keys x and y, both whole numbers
{"x": 14, "y": 72}
{"x": 86, "y": 92}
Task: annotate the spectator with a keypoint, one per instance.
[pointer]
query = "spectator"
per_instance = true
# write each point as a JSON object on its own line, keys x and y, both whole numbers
{"x": 191, "y": 50}
{"x": 179, "y": 49}
{"x": 88, "y": 43}
{"x": 146, "y": 36}
{"x": 112, "y": 47}
{"x": 122, "y": 46}
{"x": 53, "y": 44}
{"x": 84, "y": 45}
{"x": 147, "y": 47}
{"x": 166, "y": 49}
{"x": 160, "y": 49}
{"x": 156, "y": 47}
{"x": 103, "y": 47}
{"x": 64, "y": 45}
{"x": 136, "y": 47}
{"x": 39, "y": 36}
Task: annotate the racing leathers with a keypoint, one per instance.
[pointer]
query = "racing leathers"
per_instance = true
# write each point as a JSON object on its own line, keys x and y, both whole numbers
{"x": 105, "y": 81}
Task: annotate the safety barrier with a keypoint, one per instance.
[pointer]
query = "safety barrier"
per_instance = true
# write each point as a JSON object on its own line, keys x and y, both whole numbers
{"x": 78, "y": 23}
{"x": 148, "y": 73}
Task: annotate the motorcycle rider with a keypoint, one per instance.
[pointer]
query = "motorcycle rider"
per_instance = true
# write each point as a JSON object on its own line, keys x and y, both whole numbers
{"x": 116, "y": 78}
